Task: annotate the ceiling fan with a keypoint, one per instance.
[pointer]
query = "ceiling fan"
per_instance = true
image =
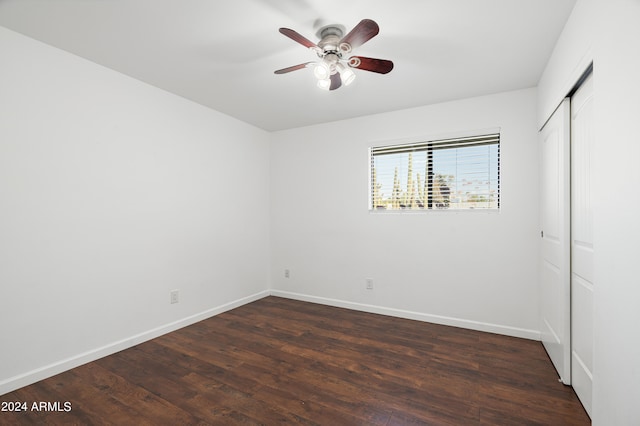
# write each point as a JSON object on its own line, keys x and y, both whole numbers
{"x": 332, "y": 70}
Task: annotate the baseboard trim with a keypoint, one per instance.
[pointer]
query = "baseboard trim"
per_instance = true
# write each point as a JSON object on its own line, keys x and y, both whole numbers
{"x": 419, "y": 316}
{"x": 50, "y": 370}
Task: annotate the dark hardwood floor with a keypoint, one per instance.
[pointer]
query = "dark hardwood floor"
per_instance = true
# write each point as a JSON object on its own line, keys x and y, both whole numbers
{"x": 279, "y": 361}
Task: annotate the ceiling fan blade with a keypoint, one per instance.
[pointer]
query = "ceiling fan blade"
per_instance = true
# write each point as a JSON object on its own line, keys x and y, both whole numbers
{"x": 293, "y": 35}
{"x": 293, "y": 68}
{"x": 381, "y": 66}
{"x": 360, "y": 34}
{"x": 336, "y": 81}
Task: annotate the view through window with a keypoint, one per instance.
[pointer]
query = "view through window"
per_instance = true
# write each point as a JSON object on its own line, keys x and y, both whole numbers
{"x": 454, "y": 174}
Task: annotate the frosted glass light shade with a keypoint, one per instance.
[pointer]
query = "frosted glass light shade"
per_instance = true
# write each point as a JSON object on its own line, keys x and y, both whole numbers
{"x": 321, "y": 71}
{"x": 324, "y": 84}
{"x": 347, "y": 75}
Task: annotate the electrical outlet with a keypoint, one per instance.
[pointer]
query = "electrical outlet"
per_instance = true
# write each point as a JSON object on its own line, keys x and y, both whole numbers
{"x": 287, "y": 274}
{"x": 175, "y": 296}
{"x": 369, "y": 282}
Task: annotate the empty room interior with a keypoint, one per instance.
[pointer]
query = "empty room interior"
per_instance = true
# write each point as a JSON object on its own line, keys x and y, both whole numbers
{"x": 319, "y": 212}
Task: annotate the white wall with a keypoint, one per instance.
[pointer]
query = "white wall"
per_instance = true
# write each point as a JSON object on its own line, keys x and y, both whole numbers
{"x": 473, "y": 269}
{"x": 571, "y": 56}
{"x": 612, "y": 26}
{"x": 112, "y": 193}
{"x": 616, "y": 215}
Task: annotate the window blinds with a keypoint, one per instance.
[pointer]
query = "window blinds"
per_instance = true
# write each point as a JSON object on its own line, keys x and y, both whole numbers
{"x": 457, "y": 173}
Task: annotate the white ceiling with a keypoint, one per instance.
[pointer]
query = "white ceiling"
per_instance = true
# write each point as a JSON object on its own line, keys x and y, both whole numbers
{"x": 223, "y": 54}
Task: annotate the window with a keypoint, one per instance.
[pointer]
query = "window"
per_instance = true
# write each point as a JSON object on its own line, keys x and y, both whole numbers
{"x": 454, "y": 174}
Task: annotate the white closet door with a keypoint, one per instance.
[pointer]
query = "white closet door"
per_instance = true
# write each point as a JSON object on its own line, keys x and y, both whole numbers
{"x": 555, "y": 291}
{"x": 582, "y": 243}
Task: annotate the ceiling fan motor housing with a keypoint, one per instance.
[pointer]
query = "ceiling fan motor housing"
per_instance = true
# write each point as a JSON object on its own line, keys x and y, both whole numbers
{"x": 333, "y": 29}
{"x": 330, "y": 36}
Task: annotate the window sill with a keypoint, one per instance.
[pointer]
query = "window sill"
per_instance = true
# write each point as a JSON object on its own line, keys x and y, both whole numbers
{"x": 433, "y": 211}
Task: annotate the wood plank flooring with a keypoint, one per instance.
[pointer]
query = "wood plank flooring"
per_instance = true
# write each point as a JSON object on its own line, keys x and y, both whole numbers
{"x": 278, "y": 361}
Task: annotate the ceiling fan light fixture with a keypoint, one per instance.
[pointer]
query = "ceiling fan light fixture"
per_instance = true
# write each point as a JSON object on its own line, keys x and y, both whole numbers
{"x": 322, "y": 71}
{"x": 346, "y": 74}
{"x": 324, "y": 84}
